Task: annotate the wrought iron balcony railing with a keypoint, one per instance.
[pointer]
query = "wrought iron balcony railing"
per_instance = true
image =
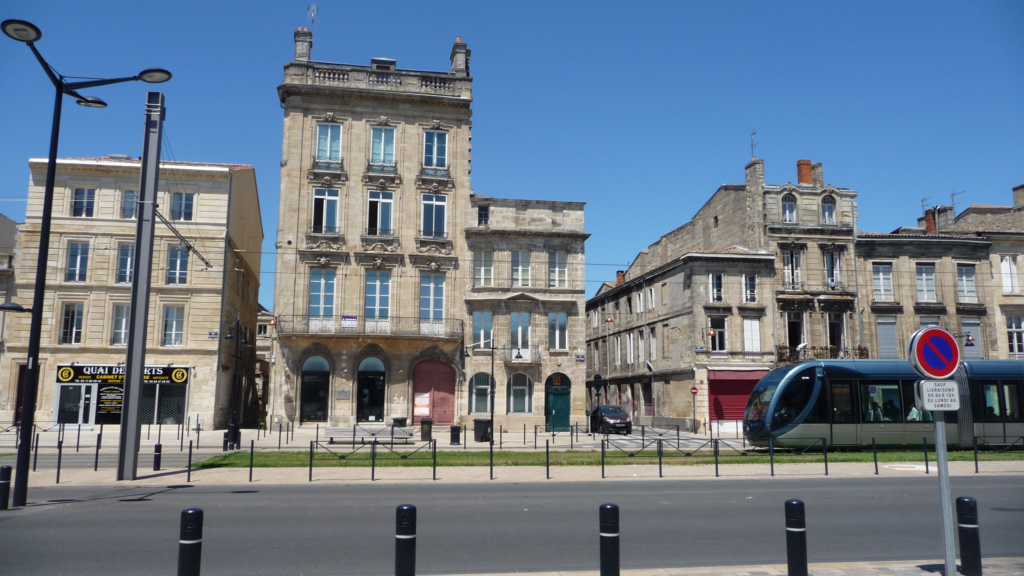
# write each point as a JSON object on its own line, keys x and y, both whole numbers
{"x": 328, "y": 165}
{"x": 359, "y": 326}
{"x": 434, "y": 171}
{"x": 433, "y": 234}
{"x": 523, "y": 355}
{"x": 381, "y": 167}
{"x": 321, "y": 229}
{"x": 883, "y": 297}
{"x": 388, "y": 232}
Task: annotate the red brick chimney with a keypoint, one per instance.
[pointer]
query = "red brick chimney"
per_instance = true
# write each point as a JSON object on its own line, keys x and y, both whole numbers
{"x": 620, "y": 277}
{"x": 929, "y": 221}
{"x": 804, "y": 173}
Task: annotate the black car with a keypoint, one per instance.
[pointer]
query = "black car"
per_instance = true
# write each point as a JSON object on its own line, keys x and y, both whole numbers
{"x": 608, "y": 419}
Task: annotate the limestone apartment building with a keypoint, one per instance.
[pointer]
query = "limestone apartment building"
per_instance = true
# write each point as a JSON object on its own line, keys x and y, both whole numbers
{"x": 396, "y": 285}
{"x": 193, "y": 304}
{"x": 761, "y": 270}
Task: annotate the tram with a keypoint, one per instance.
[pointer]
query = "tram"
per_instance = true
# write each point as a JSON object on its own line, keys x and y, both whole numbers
{"x": 849, "y": 402}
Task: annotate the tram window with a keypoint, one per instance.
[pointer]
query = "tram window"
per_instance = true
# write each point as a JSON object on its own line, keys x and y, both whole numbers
{"x": 909, "y": 409}
{"x": 990, "y": 392}
{"x": 842, "y": 402}
{"x": 1011, "y": 400}
{"x": 818, "y": 414}
{"x": 880, "y": 401}
{"x": 794, "y": 399}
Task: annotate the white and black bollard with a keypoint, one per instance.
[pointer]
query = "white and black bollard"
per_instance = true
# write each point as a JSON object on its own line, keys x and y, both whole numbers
{"x": 157, "y": 456}
{"x": 190, "y": 542}
{"x": 796, "y": 538}
{"x": 5, "y": 486}
{"x": 609, "y": 532}
{"x": 970, "y": 537}
{"x": 405, "y": 540}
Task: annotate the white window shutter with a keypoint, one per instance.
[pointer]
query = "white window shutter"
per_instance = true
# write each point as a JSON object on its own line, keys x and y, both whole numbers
{"x": 1007, "y": 276}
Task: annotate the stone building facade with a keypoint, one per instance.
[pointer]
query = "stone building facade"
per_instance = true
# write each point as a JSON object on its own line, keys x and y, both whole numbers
{"x": 786, "y": 248}
{"x": 393, "y": 277}
{"x": 197, "y": 295}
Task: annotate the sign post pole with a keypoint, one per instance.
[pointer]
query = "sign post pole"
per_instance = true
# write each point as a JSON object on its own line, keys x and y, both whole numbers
{"x": 934, "y": 355}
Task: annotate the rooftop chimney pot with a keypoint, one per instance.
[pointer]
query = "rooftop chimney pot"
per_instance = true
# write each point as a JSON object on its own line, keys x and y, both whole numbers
{"x": 804, "y": 172}
{"x": 620, "y": 277}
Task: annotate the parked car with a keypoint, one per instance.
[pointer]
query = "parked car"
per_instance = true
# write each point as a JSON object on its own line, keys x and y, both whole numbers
{"x": 608, "y": 419}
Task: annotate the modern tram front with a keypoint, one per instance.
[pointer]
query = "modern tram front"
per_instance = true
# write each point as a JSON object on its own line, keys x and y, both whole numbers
{"x": 854, "y": 403}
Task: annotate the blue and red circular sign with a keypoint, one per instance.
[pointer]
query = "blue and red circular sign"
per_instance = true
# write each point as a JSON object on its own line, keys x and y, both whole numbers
{"x": 934, "y": 354}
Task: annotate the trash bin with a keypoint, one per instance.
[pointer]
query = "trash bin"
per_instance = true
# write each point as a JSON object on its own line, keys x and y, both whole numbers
{"x": 456, "y": 434}
{"x": 482, "y": 429}
{"x": 426, "y": 429}
{"x": 399, "y": 421}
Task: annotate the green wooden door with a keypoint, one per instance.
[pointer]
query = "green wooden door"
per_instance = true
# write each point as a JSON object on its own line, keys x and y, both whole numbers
{"x": 556, "y": 408}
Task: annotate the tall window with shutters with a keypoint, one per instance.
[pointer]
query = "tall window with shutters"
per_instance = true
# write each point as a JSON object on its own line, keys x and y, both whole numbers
{"x": 382, "y": 150}
{"x": 483, "y": 268}
{"x": 520, "y": 268}
{"x": 882, "y": 282}
{"x": 1015, "y": 336}
{"x": 966, "y": 288}
{"x": 1008, "y": 271}
{"x": 752, "y": 335}
{"x": 716, "y": 288}
{"x": 119, "y": 330}
{"x": 558, "y": 269}
{"x": 789, "y": 208}
{"x": 558, "y": 331}
{"x": 791, "y": 270}
{"x": 328, "y": 146}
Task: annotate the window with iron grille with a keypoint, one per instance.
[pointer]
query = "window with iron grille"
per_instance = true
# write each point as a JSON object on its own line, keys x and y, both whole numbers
{"x": 520, "y": 394}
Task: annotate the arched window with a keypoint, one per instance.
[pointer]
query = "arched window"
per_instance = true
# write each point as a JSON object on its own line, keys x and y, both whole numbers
{"x": 371, "y": 364}
{"x": 480, "y": 394}
{"x": 316, "y": 364}
{"x": 828, "y": 210}
{"x": 789, "y": 208}
{"x": 316, "y": 379}
{"x": 520, "y": 394}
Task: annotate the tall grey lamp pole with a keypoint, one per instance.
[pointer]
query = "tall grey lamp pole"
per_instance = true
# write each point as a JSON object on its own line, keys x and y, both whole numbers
{"x": 25, "y": 32}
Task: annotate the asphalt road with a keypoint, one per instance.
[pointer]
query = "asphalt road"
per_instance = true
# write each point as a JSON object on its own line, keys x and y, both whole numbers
{"x": 349, "y": 529}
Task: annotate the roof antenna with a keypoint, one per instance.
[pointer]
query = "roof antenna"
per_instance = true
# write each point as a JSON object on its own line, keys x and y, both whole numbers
{"x": 924, "y": 204}
{"x": 752, "y": 144}
{"x": 311, "y": 10}
{"x": 952, "y": 199}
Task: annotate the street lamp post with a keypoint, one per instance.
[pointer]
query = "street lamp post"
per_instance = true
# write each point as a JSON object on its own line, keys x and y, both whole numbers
{"x": 234, "y": 426}
{"x": 25, "y": 32}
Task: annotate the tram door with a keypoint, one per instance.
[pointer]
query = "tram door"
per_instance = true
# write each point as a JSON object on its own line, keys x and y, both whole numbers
{"x": 843, "y": 424}
{"x": 881, "y": 410}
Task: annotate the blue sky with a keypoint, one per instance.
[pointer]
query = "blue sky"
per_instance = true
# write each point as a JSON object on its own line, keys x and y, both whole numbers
{"x": 641, "y": 109}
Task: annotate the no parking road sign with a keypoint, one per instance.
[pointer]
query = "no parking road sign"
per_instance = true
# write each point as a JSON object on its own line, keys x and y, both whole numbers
{"x": 934, "y": 354}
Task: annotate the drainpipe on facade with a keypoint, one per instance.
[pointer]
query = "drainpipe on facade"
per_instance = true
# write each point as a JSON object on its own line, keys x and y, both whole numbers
{"x": 775, "y": 341}
{"x": 856, "y": 283}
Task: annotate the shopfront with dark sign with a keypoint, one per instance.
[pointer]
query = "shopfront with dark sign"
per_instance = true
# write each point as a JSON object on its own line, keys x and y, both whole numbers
{"x": 94, "y": 394}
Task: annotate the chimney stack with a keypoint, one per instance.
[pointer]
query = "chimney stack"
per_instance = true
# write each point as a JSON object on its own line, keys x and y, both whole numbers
{"x": 460, "y": 58}
{"x": 819, "y": 178}
{"x": 620, "y": 277}
{"x": 1018, "y": 196}
{"x": 803, "y": 173}
{"x": 303, "y": 44}
{"x": 929, "y": 221}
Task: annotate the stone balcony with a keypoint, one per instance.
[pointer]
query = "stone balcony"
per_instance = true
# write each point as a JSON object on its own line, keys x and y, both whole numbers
{"x": 362, "y": 77}
{"x": 447, "y": 328}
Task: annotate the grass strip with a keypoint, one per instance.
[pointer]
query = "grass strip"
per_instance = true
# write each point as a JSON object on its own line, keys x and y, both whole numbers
{"x": 324, "y": 459}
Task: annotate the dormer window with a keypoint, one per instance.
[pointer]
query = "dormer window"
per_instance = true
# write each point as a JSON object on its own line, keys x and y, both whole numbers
{"x": 382, "y": 64}
{"x": 828, "y": 210}
{"x": 789, "y": 208}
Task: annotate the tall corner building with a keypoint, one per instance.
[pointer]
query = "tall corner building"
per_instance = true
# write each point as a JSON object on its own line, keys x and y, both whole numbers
{"x": 398, "y": 291}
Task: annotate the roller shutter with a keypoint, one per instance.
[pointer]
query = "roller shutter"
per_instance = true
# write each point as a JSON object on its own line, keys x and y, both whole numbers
{"x": 729, "y": 390}
{"x": 887, "y": 346}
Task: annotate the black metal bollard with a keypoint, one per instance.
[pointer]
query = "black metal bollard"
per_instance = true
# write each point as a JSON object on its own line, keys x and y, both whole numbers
{"x": 198, "y": 429}
{"x": 660, "y": 475}
{"x": 433, "y": 450}
{"x": 796, "y": 538}
{"x": 279, "y": 436}
{"x": 157, "y": 456}
{"x": 492, "y": 457}
{"x": 714, "y": 448}
{"x": 181, "y": 448}
{"x": 60, "y": 452}
{"x": 35, "y": 455}
{"x": 609, "y": 533}
{"x": 501, "y": 436}
{"x": 5, "y": 486}
{"x": 455, "y": 433}
{"x": 188, "y": 477}
{"x": 405, "y": 540}
{"x": 227, "y": 442}
{"x": 976, "y": 455}
{"x": 925, "y": 439}
{"x": 874, "y": 450}
{"x": 252, "y": 453}
{"x": 96, "y": 460}
{"x": 190, "y": 542}
{"x": 78, "y": 438}
{"x": 970, "y": 537}
{"x": 547, "y": 459}
{"x": 311, "y": 457}
{"x": 602, "y": 458}
{"x": 373, "y": 461}
{"x": 771, "y": 453}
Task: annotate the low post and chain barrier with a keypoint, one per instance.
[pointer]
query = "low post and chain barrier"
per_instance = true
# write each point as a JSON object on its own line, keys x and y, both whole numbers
{"x": 1008, "y": 443}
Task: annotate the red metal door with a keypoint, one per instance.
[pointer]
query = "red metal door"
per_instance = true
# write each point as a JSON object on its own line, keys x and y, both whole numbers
{"x": 435, "y": 380}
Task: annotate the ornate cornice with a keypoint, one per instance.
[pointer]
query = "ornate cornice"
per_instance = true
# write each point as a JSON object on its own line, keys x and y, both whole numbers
{"x": 527, "y": 232}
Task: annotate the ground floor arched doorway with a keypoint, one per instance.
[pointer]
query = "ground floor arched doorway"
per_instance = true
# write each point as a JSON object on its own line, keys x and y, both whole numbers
{"x": 316, "y": 381}
{"x": 370, "y": 391}
{"x": 433, "y": 392}
{"x": 557, "y": 403}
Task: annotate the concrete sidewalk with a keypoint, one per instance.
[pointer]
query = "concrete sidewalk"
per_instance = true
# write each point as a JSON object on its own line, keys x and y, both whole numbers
{"x": 990, "y": 567}
{"x": 516, "y": 474}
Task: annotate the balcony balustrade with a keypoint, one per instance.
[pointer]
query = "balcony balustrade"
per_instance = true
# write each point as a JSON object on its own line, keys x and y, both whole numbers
{"x": 359, "y": 326}
{"x": 381, "y": 167}
{"x": 523, "y": 355}
{"x": 329, "y": 165}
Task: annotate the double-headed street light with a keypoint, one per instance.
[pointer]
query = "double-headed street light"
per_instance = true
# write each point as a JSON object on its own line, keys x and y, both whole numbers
{"x": 26, "y": 32}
